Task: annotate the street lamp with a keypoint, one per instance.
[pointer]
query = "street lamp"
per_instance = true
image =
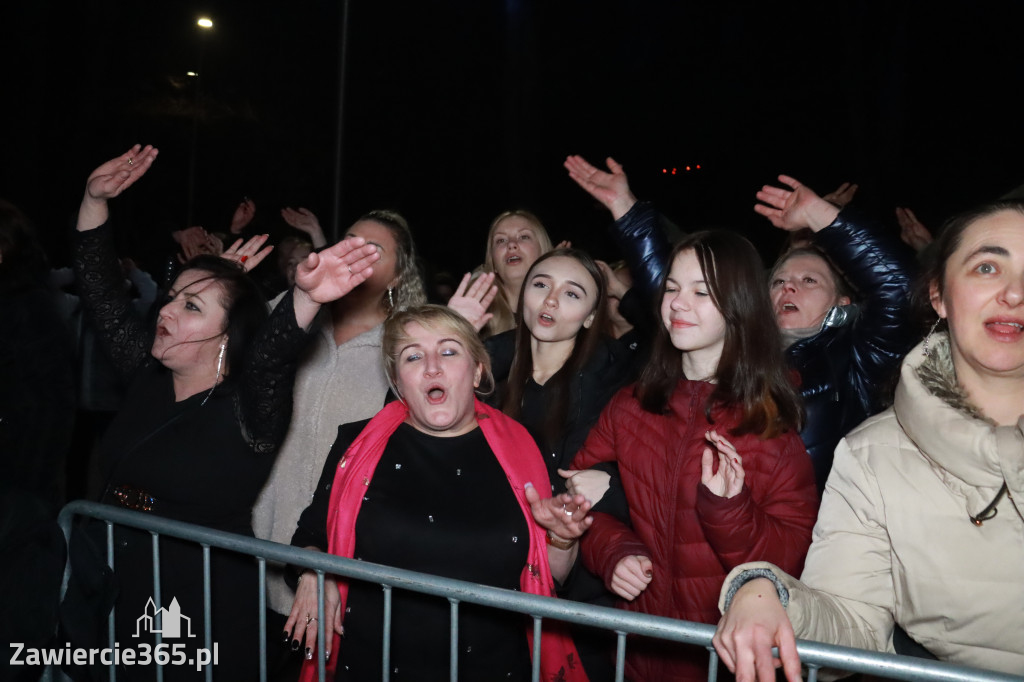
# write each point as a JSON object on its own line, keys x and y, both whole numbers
{"x": 206, "y": 24}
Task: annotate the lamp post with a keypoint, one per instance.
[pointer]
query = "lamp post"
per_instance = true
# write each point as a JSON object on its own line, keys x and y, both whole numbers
{"x": 206, "y": 25}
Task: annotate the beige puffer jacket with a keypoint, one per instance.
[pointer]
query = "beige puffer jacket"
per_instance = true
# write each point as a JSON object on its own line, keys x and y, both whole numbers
{"x": 895, "y": 543}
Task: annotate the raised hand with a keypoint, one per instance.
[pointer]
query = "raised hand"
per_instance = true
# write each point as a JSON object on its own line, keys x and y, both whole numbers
{"x": 304, "y": 220}
{"x": 841, "y": 195}
{"x": 243, "y": 215}
{"x": 912, "y": 231}
{"x": 631, "y": 576}
{"x": 301, "y": 626}
{"x": 755, "y": 622}
{"x": 109, "y": 181}
{"x": 615, "y": 287}
{"x": 795, "y": 208}
{"x": 249, "y": 254}
{"x": 610, "y": 188}
{"x": 728, "y": 480}
{"x": 472, "y": 300}
{"x": 590, "y": 483}
{"x": 330, "y": 274}
{"x": 115, "y": 176}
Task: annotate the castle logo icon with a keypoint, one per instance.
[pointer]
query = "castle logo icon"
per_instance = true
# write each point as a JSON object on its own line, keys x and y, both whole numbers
{"x": 168, "y": 622}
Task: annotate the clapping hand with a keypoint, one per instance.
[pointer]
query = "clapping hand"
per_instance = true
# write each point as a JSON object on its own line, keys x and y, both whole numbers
{"x": 472, "y": 300}
{"x": 728, "y": 480}
{"x": 610, "y": 188}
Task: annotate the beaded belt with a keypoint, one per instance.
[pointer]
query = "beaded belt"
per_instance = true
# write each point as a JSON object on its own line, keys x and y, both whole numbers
{"x": 132, "y": 497}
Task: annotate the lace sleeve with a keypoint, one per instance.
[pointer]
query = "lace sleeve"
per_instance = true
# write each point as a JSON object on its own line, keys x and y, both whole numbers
{"x": 264, "y": 399}
{"x": 106, "y": 301}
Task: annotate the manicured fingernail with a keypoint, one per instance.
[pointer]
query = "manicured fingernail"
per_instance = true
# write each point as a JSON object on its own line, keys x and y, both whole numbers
{"x": 295, "y": 645}
{"x": 287, "y": 636}
{"x": 309, "y": 654}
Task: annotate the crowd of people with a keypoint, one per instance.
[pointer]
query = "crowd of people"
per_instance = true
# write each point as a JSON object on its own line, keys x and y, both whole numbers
{"x": 681, "y": 430}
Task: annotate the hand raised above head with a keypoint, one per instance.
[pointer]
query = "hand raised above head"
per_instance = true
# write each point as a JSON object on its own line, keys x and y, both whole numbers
{"x": 610, "y": 188}
{"x": 328, "y": 275}
{"x": 249, "y": 254}
{"x": 115, "y": 176}
{"x": 243, "y": 215}
{"x": 795, "y": 208}
{"x": 472, "y": 300}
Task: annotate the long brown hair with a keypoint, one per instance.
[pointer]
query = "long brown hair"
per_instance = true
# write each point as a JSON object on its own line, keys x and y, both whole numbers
{"x": 587, "y": 340}
{"x": 752, "y": 375}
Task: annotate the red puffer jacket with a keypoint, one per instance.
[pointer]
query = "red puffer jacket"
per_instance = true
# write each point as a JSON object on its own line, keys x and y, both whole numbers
{"x": 693, "y": 537}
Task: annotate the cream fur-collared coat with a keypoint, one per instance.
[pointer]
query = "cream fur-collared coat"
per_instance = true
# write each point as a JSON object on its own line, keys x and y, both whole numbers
{"x": 895, "y": 543}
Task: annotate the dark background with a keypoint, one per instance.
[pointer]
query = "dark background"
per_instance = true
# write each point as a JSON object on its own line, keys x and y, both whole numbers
{"x": 457, "y": 110}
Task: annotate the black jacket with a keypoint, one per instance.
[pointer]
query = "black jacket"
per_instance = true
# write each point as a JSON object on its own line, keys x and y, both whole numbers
{"x": 847, "y": 367}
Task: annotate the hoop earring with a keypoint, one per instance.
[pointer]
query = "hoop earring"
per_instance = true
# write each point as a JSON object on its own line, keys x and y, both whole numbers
{"x": 927, "y": 339}
{"x": 391, "y": 298}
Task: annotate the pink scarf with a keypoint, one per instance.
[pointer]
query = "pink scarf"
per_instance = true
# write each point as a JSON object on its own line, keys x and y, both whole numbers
{"x": 519, "y": 458}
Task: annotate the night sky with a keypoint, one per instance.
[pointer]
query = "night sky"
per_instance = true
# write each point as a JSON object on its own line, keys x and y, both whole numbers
{"x": 455, "y": 111}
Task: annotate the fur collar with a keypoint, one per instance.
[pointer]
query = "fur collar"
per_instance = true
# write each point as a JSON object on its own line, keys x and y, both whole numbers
{"x": 938, "y": 377}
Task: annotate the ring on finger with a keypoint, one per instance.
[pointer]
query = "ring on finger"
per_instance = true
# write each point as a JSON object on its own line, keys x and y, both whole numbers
{"x": 310, "y": 619}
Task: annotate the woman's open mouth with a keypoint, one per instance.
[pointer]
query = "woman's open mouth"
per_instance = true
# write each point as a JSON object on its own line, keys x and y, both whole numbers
{"x": 436, "y": 395}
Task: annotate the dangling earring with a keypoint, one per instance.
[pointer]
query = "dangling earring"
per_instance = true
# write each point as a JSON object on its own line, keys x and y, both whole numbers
{"x": 216, "y": 381}
{"x": 927, "y": 340}
{"x": 220, "y": 361}
{"x": 391, "y": 298}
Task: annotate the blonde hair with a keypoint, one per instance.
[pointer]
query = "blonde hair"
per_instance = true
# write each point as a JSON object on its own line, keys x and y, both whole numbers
{"x": 504, "y": 315}
{"x": 435, "y": 317}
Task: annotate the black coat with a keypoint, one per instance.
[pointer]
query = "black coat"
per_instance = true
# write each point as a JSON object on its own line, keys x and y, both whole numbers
{"x": 847, "y": 369}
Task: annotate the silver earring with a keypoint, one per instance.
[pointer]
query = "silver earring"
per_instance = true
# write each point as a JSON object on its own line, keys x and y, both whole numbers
{"x": 220, "y": 361}
{"x": 391, "y": 298}
{"x": 927, "y": 340}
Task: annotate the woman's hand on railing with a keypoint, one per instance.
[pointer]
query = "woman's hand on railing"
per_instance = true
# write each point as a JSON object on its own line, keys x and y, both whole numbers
{"x": 754, "y": 623}
{"x": 301, "y": 626}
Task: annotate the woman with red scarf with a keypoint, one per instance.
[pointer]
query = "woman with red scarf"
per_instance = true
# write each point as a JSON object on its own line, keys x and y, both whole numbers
{"x": 439, "y": 483}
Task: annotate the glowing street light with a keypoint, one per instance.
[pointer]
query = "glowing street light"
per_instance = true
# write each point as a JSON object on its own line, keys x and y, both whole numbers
{"x": 205, "y": 22}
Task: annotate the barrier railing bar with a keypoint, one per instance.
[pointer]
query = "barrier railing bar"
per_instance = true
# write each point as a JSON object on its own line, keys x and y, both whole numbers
{"x": 158, "y": 619}
{"x": 620, "y": 655}
{"x": 812, "y": 673}
{"x": 453, "y": 641}
{"x": 712, "y": 664}
{"x": 207, "y": 608}
{"x": 110, "y": 621}
{"x": 321, "y": 635}
{"x": 263, "y": 621}
{"x": 385, "y": 659}
{"x": 537, "y": 628}
{"x": 811, "y": 653}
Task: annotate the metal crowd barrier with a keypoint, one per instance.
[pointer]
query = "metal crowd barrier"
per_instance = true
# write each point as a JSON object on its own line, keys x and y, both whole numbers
{"x": 814, "y": 655}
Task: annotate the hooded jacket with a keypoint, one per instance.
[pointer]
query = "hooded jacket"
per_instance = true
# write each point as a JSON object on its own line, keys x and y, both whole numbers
{"x": 895, "y": 542}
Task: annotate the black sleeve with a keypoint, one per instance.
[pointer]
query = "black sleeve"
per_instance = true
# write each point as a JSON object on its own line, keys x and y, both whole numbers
{"x": 106, "y": 301}
{"x": 265, "y": 395}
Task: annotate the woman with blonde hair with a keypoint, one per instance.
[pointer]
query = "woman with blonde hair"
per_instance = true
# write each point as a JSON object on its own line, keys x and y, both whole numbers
{"x": 515, "y": 241}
